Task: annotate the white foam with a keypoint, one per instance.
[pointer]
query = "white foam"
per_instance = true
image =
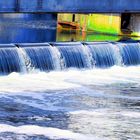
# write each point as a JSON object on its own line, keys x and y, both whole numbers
{"x": 34, "y": 82}
{"x": 87, "y": 112}
{"x": 53, "y": 133}
{"x": 73, "y": 78}
{"x": 131, "y": 114}
{"x": 106, "y": 112}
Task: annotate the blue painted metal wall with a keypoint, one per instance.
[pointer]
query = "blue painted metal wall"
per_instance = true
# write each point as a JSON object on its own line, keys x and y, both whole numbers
{"x": 27, "y": 28}
{"x": 78, "y": 6}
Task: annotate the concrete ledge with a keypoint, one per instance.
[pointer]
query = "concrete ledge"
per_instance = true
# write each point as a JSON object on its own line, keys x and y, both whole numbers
{"x": 67, "y": 6}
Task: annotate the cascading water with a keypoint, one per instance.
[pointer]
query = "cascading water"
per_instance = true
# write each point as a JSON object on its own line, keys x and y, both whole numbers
{"x": 74, "y": 55}
{"x": 58, "y": 56}
{"x": 25, "y": 61}
{"x": 43, "y": 56}
{"x": 9, "y": 59}
{"x": 102, "y": 54}
{"x": 130, "y": 53}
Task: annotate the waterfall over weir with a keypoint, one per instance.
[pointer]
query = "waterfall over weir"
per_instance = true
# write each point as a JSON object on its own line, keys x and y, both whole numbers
{"x": 59, "y": 56}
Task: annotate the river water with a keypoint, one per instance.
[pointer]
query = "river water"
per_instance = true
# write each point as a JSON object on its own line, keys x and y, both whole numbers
{"x": 69, "y": 90}
{"x": 71, "y": 104}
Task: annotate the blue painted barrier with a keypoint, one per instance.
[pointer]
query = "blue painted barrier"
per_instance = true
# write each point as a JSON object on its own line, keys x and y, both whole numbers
{"x": 76, "y": 6}
{"x": 27, "y": 28}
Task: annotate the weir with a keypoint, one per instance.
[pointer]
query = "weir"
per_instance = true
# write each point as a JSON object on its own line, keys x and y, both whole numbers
{"x": 61, "y": 56}
{"x": 27, "y": 25}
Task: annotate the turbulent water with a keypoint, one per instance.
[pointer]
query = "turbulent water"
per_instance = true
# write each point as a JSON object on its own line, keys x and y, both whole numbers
{"x": 93, "y": 93}
{"x": 88, "y": 104}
